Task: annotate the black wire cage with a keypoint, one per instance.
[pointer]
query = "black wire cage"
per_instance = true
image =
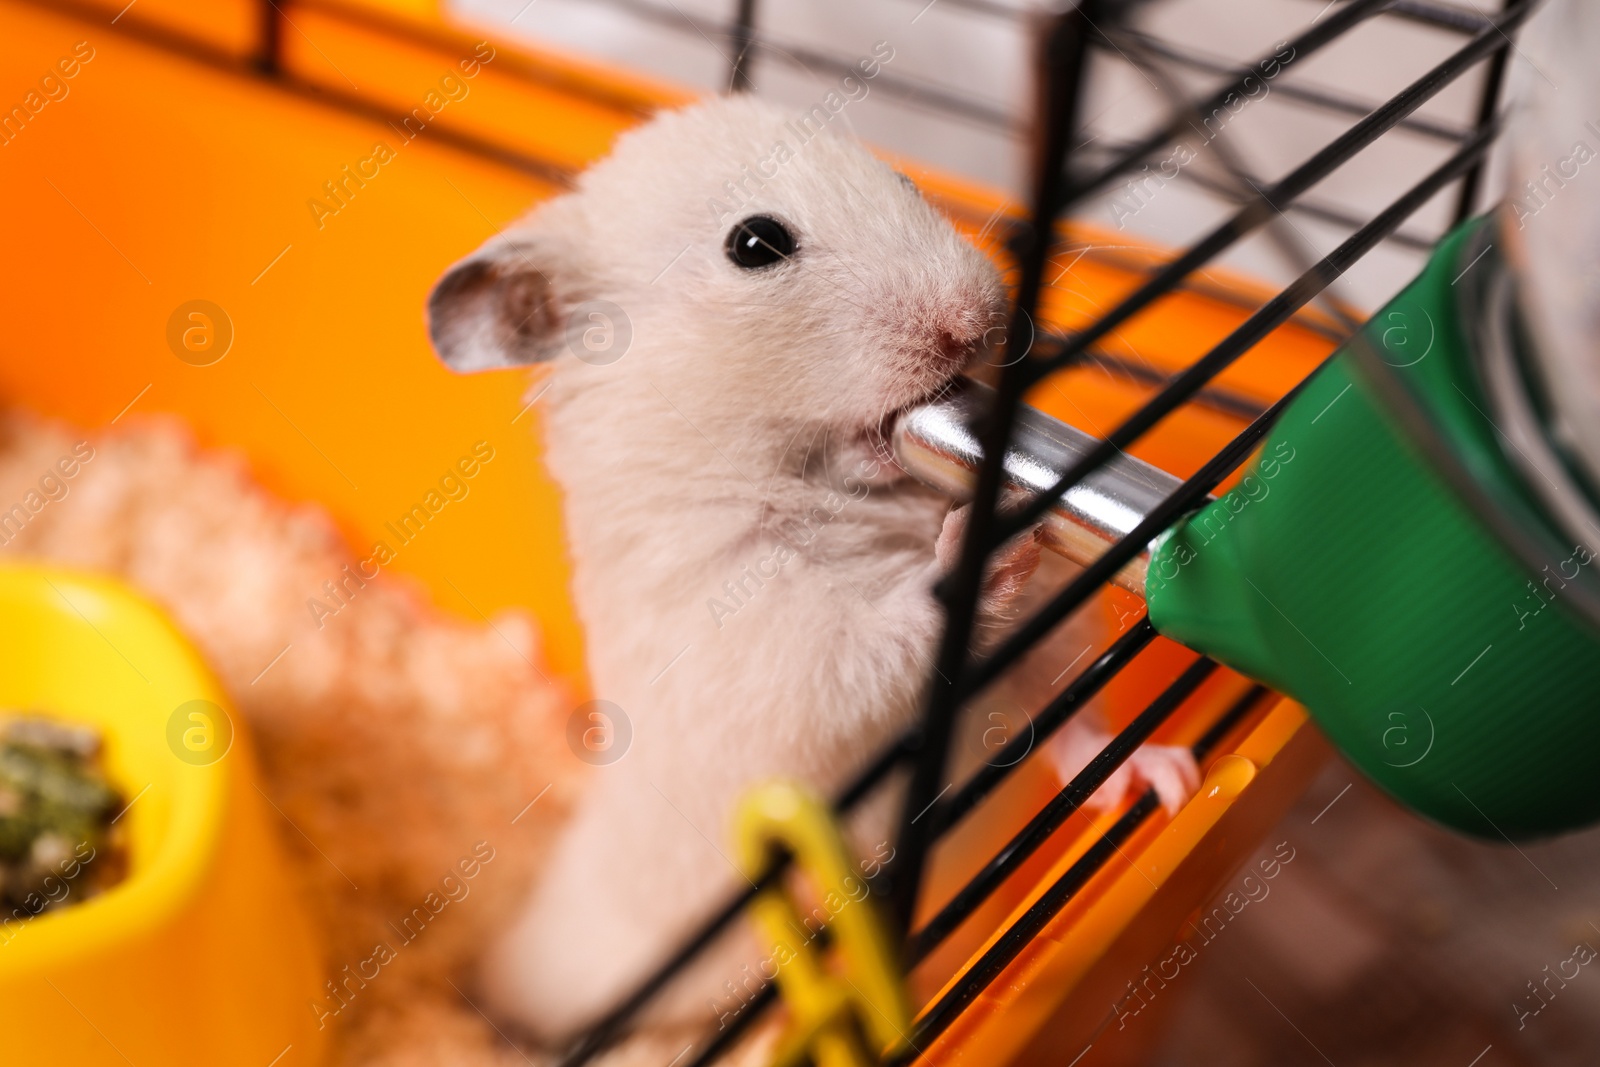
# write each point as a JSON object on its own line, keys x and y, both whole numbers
{"x": 1069, "y": 168}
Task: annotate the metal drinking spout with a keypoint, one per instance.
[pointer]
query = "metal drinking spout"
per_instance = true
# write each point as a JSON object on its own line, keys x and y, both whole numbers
{"x": 935, "y": 443}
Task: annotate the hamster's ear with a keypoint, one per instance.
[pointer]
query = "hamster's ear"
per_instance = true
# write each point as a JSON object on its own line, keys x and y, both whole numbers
{"x": 495, "y": 308}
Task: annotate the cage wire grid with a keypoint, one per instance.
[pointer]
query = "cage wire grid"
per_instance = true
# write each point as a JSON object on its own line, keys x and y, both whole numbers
{"x": 962, "y": 117}
{"x": 1065, "y": 175}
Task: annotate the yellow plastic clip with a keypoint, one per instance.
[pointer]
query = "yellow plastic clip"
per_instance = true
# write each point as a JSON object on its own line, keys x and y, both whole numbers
{"x": 846, "y": 1014}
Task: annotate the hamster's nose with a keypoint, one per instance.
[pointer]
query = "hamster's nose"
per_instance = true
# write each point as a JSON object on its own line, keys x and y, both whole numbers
{"x": 953, "y": 349}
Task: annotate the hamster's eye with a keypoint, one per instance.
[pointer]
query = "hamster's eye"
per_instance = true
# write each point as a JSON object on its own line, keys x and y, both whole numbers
{"x": 759, "y": 241}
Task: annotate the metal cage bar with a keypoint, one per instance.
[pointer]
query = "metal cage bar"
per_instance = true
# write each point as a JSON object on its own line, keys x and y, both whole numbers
{"x": 1025, "y": 842}
{"x": 1063, "y": 60}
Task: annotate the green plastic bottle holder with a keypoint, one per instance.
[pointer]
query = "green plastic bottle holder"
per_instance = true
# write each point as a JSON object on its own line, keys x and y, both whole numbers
{"x": 1399, "y": 580}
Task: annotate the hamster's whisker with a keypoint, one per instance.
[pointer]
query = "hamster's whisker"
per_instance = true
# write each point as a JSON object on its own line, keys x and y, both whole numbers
{"x": 833, "y": 333}
{"x": 999, "y": 212}
{"x": 807, "y": 267}
{"x": 777, "y": 471}
{"x": 805, "y": 461}
{"x": 773, "y": 477}
{"x": 761, "y": 304}
{"x": 841, "y": 261}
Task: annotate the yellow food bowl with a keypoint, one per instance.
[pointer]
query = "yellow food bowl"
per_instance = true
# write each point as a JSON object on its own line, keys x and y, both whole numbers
{"x": 203, "y": 954}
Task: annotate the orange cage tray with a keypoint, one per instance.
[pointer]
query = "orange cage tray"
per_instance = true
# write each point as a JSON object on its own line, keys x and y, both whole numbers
{"x": 174, "y": 170}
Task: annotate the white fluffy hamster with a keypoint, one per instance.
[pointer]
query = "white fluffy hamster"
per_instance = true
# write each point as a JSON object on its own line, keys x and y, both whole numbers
{"x": 754, "y": 582}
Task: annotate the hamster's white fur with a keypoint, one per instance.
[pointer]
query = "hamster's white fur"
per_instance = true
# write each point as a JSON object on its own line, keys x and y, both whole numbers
{"x": 753, "y": 580}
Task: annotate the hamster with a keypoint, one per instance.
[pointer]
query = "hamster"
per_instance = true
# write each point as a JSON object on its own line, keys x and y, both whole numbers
{"x": 731, "y": 304}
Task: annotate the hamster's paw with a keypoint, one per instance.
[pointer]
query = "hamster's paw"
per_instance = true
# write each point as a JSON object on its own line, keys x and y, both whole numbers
{"x": 1008, "y": 569}
{"x": 947, "y": 549}
{"x": 1168, "y": 769}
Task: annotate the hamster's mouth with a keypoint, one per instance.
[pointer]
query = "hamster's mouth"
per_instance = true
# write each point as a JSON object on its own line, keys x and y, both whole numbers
{"x": 880, "y": 436}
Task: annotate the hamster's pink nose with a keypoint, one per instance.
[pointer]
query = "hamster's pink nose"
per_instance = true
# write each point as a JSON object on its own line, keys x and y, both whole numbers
{"x": 953, "y": 349}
